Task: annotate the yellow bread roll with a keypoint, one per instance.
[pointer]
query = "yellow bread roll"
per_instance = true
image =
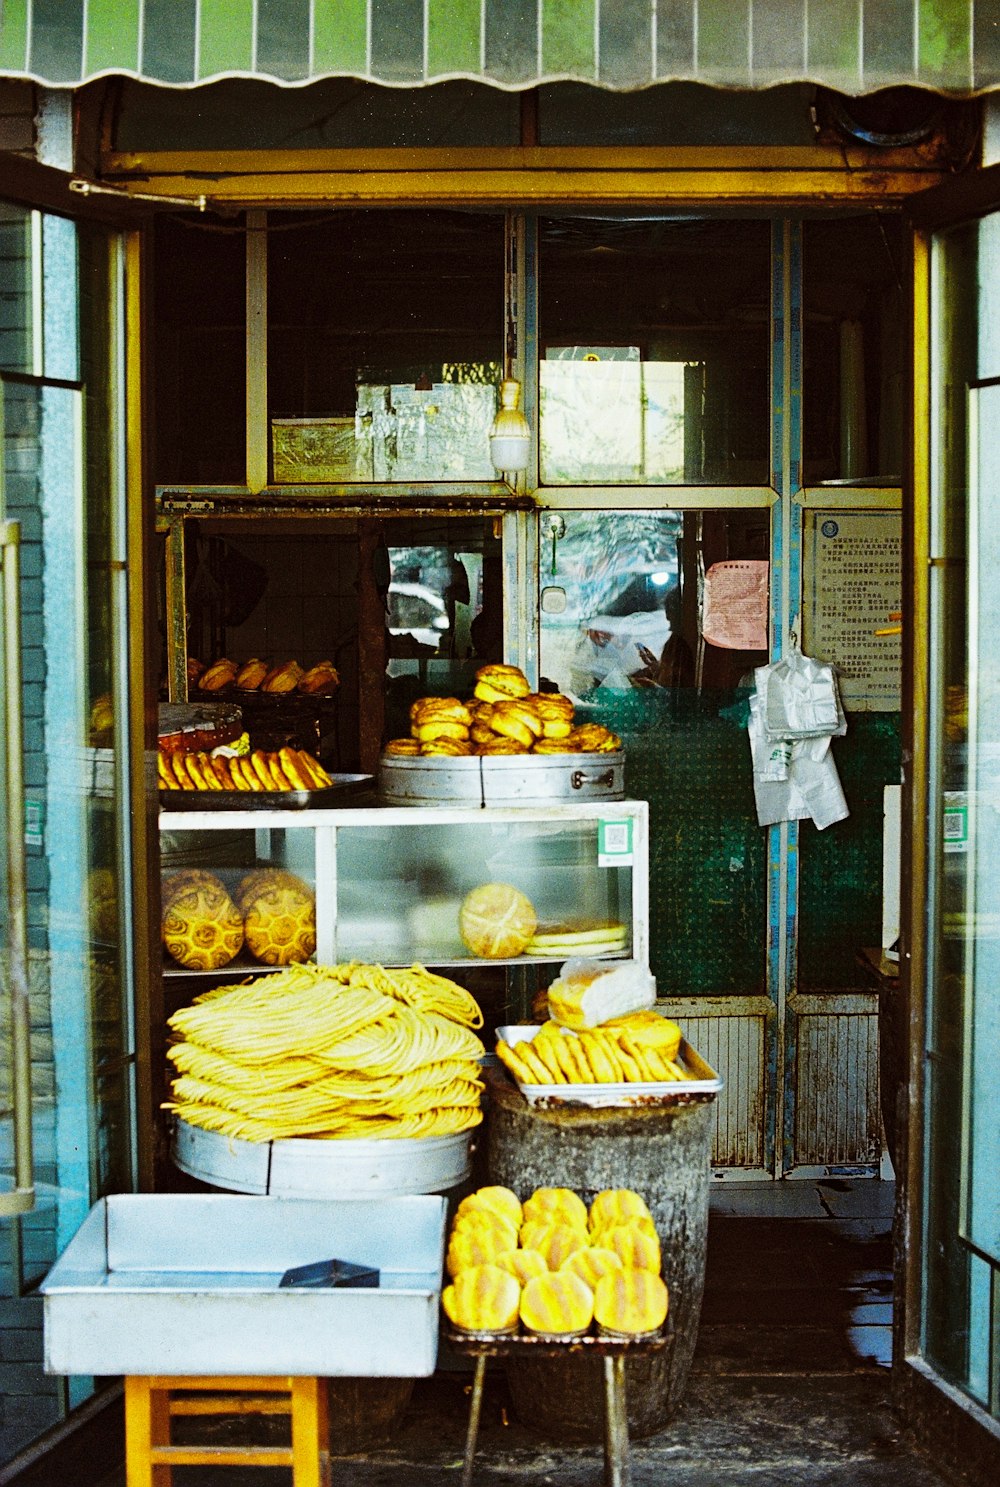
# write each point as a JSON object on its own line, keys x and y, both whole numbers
{"x": 452, "y": 747}
{"x": 616, "y": 1206}
{"x": 524, "y": 1264}
{"x": 485, "y": 1298}
{"x": 470, "y": 1247}
{"x": 481, "y": 1220}
{"x": 495, "y": 1199}
{"x": 640, "y": 1221}
{"x": 636, "y": 1249}
{"x": 591, "y": 1264}
{"x": 496, "y": 920}
{"x": 556, "y": 1205}
{"x": 630, "y": 1303}
{"x": 557, "y": 1305}
{"x": 495, "y": 683}
{"x": 432, "y": 728}
{"x": 554, "y": 1242}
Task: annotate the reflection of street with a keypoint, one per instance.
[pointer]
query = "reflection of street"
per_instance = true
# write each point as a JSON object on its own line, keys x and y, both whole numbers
{"x": 616, "y": 570}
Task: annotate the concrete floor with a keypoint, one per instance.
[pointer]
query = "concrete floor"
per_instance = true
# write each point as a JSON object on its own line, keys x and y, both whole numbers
{"x": 790, "y": 1384}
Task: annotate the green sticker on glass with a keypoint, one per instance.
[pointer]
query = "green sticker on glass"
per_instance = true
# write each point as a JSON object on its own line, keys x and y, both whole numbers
{"x": 614, "y": 843}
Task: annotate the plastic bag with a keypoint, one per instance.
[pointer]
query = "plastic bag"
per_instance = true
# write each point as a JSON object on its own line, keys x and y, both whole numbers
{"x": 585, "y": 995}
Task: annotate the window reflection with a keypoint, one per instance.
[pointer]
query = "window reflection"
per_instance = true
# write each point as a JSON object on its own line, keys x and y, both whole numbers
{"x": 654, "y": 351}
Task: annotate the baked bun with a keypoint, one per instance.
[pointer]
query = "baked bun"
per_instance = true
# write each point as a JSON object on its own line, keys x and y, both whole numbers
{"x": 445, "y": 709}
{"x": 594, "y": 738}
{"x": 496, "y": 920}
{"x": 630, "y": 1303}
{"x": 555, "y": 746}
{"x": 483, "y": 1299}
{"x": 614, "y": 1206}
{"x": 637, "y": 1249}
{"x": 220, "y": 674}
{"x": 557, "y": 1305}
{"x": 556, "y": 1205}
{"x": 431, "y": 728}
{"x": 455, "y": 748}
{"x": 279, "y": 918}
{"x": 524, "y": 1264}
{"x": 251, "y": 674}
{"x": 320, "y": 680}
{"x": 202, "y": 927}
{"x": 592, "y": 1263}
{"x": 406, "y": 747}
{"x": 517, "y": 720}
{"x": 493, "y": 1199}
{"x": 470, "y": 1247}
{"x": 554, "y": 1242}
{"x": 499, "y": 682}
{"x": 283, "y": 678}
{"x": 499, "y": 745}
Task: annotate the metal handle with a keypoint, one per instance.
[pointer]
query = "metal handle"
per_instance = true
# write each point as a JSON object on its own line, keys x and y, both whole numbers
{"x": 21, "y": 1199}
{"x": 605, "y": 780}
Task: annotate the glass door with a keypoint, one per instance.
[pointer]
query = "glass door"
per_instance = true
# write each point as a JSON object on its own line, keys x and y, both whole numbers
{"x": 66, "y": 1054}
{"x": 959, "y": 1324}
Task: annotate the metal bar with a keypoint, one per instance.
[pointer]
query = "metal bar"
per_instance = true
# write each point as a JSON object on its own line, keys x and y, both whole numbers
{"x": 256, "y": 351}
{"x": 22, "y": 1198}
{"x": 176, "y": 602}
{"x": 915, "y": 960}
{"x": 617, "y": 1465}
{"x": 475, "y": 1410}
{"x": 653, "y": 497}
{"x": 201, "y": 166}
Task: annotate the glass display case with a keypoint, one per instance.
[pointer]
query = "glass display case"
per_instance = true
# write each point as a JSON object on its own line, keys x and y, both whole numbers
{"x": 389, "y": 882}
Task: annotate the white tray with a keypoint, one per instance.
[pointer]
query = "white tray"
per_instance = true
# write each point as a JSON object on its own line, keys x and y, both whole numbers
{"x": 706, "y": 1082}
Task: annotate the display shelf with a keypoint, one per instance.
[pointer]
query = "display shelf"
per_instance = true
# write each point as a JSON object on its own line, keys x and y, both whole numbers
{"x": 389, "y": 880}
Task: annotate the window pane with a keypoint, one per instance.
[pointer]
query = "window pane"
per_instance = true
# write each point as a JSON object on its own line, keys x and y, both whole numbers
{"x": 854, "y": 350}
{"x": 385, "y": 340}
{"x": 199, "y": 320}
{"x": 654, "y": 351}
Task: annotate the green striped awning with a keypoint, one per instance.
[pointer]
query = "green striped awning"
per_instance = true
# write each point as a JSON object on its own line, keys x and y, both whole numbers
{"x": 855, "y": 46}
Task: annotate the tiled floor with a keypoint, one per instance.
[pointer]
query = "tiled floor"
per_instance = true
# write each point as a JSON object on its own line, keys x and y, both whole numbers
{"x": 789, "y": 1388}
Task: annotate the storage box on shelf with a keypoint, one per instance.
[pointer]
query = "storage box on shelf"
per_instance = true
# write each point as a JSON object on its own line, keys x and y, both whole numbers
{"x": 389, "y": 881}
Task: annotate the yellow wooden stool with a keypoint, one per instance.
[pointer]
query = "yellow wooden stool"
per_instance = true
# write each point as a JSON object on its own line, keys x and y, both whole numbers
{"x": 150, "y": 1405}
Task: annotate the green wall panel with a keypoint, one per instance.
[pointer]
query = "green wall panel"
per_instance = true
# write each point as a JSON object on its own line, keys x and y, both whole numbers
{"x": 707, "y": 852}
{"x": 840, "y": 869}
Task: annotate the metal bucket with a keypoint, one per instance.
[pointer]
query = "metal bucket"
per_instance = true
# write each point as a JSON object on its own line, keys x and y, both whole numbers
{"x": 502, "y": 779}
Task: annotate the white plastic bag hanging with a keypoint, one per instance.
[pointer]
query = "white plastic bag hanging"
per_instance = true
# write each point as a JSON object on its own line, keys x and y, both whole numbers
{"x": 794, "y": 773}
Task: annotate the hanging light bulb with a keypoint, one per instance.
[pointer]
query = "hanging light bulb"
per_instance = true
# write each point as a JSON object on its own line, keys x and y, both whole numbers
{"x": 510, "y": 436}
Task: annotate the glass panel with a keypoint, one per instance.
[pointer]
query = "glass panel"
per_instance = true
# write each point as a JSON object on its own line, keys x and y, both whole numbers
{"x": 385, "y": 342}
{"x": 199, "y": 351}
{"x": 962, "y": 1217}
{"x": 854, "y": 371}
{"x": 400, "y": 888}
{"x": 654, "y": 359}
{"x": 621, "y": 629}
{"x": 18, "y": 301}
{"x": 222, "y": 878}
{"x": 73, "y": 831}
{"x": 445, "y": 616}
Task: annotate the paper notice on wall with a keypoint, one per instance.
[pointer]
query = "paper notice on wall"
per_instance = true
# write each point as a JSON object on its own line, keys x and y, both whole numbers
{"x": 735, "y": 605}
{"x": 852, "y": 570}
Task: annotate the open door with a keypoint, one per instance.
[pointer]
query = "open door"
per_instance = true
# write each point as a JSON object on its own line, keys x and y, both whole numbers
{"x": 952, "y": 1318}
{"x": 67, "y": 1053}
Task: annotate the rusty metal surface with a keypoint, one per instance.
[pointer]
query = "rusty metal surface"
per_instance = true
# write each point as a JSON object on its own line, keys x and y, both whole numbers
{"x": 525, "y": 1345}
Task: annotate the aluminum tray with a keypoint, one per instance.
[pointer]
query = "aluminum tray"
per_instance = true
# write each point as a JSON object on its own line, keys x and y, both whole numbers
{"x": 188, "y": 1284}
{"x": 267, "y": 800}
{"x": 706, "y": 1081}
{"x": 301, "y": 1168}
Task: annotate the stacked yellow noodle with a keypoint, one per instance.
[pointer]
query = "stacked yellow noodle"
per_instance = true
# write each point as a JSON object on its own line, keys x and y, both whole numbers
{"x": 348, "y": 1051}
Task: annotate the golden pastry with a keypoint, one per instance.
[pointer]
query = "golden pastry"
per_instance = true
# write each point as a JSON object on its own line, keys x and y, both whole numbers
{"x": 251, "y": 674}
